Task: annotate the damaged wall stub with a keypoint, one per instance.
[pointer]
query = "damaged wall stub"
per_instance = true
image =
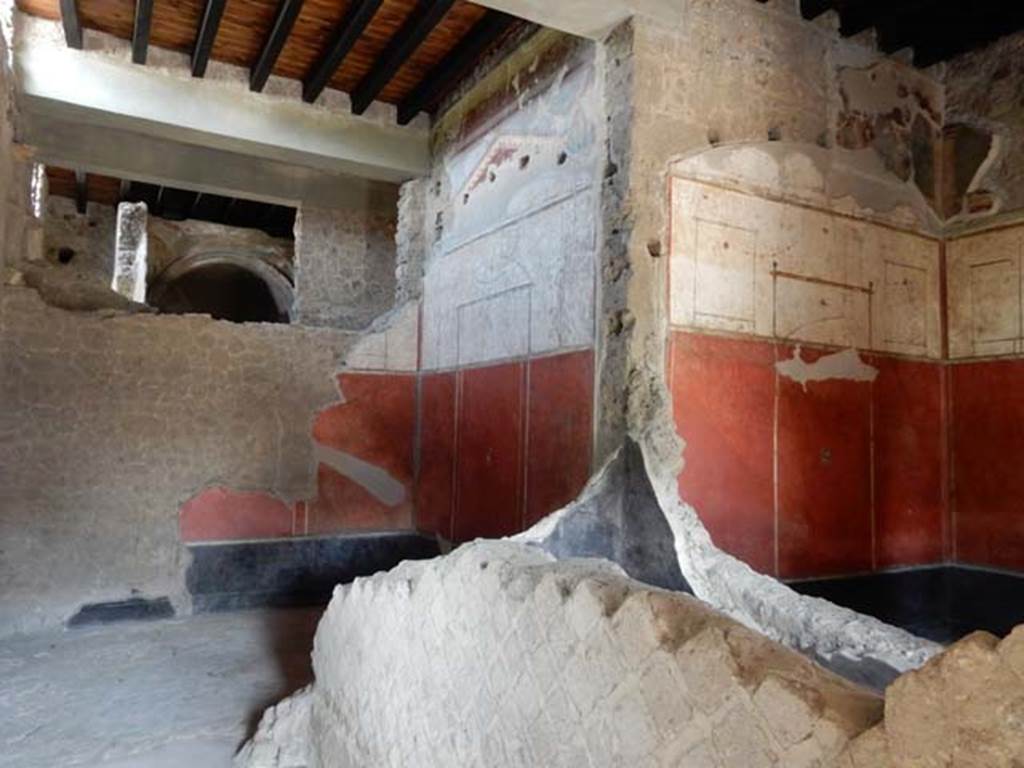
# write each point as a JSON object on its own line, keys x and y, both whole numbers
{"x": 588, "y": 662}
{"x": 131, "y": 251}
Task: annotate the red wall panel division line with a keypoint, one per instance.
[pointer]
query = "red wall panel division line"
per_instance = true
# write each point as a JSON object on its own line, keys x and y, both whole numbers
{"x": 435, "y": 493}
{"x": 909, "y": 443}
{"x": 489, "y": 467}
{"x": 559, "y": 418}
{"x": 824, "y": 456}
{"x": 723, "y": 391}
{"x": 988, "y": 453}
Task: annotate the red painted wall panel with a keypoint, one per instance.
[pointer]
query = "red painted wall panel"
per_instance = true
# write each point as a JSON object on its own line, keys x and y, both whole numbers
{"x": 909, "y": 501}
{"x": 723, "y": 392}
{"x": 988, "y": 462}
{"x": 434, "y": 489}
{"x": 220, "y": 514}
{"x": 824, "y": 476}
{"x": 561, "y": 396}
{"x": 723, "y": 395}
{"x": 489, "y": 451}
{"x": 376, "y": 421}
{"x": 342, "y": 505}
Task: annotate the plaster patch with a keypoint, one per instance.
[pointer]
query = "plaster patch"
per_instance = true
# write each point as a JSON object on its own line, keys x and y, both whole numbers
{"x": 846, "y": 365}
{"x": 374, "y": 480}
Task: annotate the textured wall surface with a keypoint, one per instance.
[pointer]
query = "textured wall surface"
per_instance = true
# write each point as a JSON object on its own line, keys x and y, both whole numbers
{"x": 513, "y": 273}
{"x": 498, "y": 656}
{"x": 986, "y": 342}
{"x": 986, "y": 309}
{"x": 960, "y": 709}
{"x": 90, "y": 236}
{"x": 787, "y": 83}
{"x": 803, "y": 479}
{"x": 748, "y": 265}
{"x": 344, "y": 267}
{"x": 983, "y": 92}
{"x": 111, "y": 423}
{"x": 503, "y": 445}
{"x": 800, "y": 462}
{"x": 512, "y": 218}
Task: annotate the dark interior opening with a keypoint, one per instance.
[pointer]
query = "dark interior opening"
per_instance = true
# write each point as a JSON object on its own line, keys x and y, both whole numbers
{"x": 224, "y": 291}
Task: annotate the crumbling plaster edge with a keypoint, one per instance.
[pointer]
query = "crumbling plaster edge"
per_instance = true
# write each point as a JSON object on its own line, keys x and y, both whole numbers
{"x": 810, "y": 625}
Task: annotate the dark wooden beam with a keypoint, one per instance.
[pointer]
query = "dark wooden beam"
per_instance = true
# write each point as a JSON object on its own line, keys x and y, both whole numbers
{"x": 124, "y": 189}
{"x": 140, "y": 32}
{"x": 72, "y": 26}
{"x": 440, "y": 81}
{"x": 287, "y": 13}
{"x": 421, "y": 22}
{"x": 207, "y": 34}
{"x": 359, "y": 15}
{"x": 81, "y": 191}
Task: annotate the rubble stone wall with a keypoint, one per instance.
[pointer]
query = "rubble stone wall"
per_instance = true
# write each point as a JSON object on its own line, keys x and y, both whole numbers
{"x": 964, "y": 708}
{"x": 344, "y": 267}
{"x": 111, "y": 421}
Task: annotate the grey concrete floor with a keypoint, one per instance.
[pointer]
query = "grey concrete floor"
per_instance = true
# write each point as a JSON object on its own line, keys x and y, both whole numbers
{"x": 164, "y": 694}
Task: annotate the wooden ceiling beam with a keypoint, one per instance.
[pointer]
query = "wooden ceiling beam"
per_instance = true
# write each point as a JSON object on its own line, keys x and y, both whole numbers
{"x": 421, "y": 22}
{"x": 358, "y": 17}
{"x": 442, "y": 79}
{"x": 207, "y": 34}
{"x": 72, "y": 25}
{"x": 140, "y": 30}
{"x": 81, "y": 191}
{"x": 287, "y": 13}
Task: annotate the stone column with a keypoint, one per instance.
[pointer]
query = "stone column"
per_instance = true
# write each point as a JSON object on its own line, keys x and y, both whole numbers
{"x": 130, "y": 252}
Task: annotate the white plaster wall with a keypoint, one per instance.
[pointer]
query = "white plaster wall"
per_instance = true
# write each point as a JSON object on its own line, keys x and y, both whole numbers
{"x": 986, "y": 293}
{"x": 514, "y": 271}
{"x": 746, "y": 264}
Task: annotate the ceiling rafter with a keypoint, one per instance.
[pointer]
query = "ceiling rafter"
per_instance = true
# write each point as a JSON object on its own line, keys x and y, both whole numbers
{"x": 206, "y": 36}
{"x": 455, "y": 66}
{"x": 284, "y": 21}
{"x": 409, "y": 53}
{"x": 356, "y": 20}
{"x": 140, "y": 30}
{"x": 421, "y": 22}
{"x": 71, "y": 23}
{"x": 81, "y": 191}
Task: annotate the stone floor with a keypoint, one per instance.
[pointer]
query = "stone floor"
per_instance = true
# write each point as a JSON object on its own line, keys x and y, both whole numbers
{"x": 162, "y": 694}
